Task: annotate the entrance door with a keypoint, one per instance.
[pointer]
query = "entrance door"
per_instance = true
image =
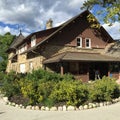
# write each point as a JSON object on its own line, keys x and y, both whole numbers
{"x": 101, "y": 66}
{"x": 22, "y": 68}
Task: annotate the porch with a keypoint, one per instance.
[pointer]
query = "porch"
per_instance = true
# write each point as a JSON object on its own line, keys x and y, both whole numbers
{"x": 84, "y": 65}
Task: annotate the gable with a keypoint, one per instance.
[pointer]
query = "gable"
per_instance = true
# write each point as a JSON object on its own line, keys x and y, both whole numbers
{"x": 16, "y": 41}
{"x": 80, "y": 27}
{"x": 67, "y": 33}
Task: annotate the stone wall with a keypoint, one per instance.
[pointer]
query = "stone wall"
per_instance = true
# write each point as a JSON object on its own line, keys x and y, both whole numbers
{"x": 49, "y": 50}
{"x": 22, "y": 59}
{"x": 9, "y": 64}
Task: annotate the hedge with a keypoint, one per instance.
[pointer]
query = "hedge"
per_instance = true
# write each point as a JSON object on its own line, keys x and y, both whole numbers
{"x": 46, "y": 88}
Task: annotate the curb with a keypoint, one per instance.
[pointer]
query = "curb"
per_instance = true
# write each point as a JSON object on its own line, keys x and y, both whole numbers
{"x": 62, "y": 108}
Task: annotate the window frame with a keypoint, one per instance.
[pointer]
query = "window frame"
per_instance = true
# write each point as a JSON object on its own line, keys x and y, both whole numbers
{"x": 22, "y": 48}
{"x": 80, "y": 42}
{"x": 33, "y": 40}
{"x": 86, "y": 43}
{"x": 31, "y": 66}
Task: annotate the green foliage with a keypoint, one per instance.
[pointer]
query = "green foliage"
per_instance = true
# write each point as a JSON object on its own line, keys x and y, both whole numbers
{"x": 43, "y": 75}
{"x": 44, "y": 88}
{"x": 104, "y": 90}
{"x": 110, "y": 11}
{"x": 36, "y": 91}
{"x": 44, "y": 91}
{"x": 38, "y": 85}
{"x": 29, "y": 90}
{"x": 10, "y": 84}
{"x": 5, "y": 42}
{"x": 70, "y": 93}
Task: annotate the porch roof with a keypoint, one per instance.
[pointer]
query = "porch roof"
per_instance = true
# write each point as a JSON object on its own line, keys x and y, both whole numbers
{"x": 81, "y": 56}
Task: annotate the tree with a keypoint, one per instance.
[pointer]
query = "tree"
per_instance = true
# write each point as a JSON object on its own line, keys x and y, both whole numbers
{"x": 111, "y": 9}
{"x": 5, "y": 41}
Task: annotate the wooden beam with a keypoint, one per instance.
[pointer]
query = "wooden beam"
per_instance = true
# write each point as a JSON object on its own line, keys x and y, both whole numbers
{"x": 61, "y": 69}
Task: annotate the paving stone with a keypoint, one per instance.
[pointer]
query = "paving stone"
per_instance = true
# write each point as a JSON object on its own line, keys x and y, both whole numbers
{"x": 70, "y": 108}
{"x": 53, "y": 109}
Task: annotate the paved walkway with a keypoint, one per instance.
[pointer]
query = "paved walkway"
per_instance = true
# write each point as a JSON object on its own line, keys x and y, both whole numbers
{"x": 111, "y": 112}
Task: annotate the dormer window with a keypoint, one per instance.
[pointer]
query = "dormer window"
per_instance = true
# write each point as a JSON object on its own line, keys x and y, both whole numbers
{"x": 33, "y": 41}
{"x": 79, "y": 42}
{"x": 88, "y": 43}
{"x": 22, "y": 48}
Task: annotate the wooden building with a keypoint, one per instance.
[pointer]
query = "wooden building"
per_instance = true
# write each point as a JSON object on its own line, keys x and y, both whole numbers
{"x": 73, "y": 47}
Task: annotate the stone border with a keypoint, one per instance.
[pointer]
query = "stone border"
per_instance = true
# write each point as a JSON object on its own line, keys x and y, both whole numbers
{"x": 62, "y": 108}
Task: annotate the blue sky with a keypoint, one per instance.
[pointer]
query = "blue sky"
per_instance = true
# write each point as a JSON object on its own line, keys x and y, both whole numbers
{"x": 31, "y": 15}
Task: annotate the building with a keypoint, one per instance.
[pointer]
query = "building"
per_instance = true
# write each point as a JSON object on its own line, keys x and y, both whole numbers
{"x": 73, "y": 47}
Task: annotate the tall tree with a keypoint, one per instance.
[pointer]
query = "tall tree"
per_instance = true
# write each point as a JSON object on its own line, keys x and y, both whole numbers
{"x": 111, "y": 9}
{"x": 5, "y": 41}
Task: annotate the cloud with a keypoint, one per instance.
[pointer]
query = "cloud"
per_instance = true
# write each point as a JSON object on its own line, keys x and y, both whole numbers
{"x": 113, "y": 30}
{"x": 31, "y": 15}
{"x": 6, "y": 29}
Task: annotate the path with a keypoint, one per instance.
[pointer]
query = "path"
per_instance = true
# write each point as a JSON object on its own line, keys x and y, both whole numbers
{"x": 111, "y": 112}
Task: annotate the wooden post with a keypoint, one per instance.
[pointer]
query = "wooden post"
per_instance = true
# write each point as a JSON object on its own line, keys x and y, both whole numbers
{"x": 44, "y": 67}
{"x": 88, "y": 75}
{"x": 109, "y": 70}
{"x": 61, "y": 69}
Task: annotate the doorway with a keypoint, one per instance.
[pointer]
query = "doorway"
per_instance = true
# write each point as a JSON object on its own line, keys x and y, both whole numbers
{"x": 101, "y": 66}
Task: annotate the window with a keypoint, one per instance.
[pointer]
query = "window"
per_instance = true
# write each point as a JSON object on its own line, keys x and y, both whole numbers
{"x": 79, "y": 42}
{"x": 31, "y": 66}
{"x": 22, "y": 48}
{"x": 33, "y": 41}
{"x": 88, "y": 43}
{"x": 22, "y": 68}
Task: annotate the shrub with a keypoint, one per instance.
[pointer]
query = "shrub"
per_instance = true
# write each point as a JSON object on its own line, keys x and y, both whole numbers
{"x": 70, "y": 93}
{"x": 44, "y": 91}
{"x": 104, "y": 90}
{"x": 11, "y": 84}
{"x": 45, "y": 88}
{"x": 29, "y": 90}
{"x": 36, "y": 91}
{"x": 43, "y": 75}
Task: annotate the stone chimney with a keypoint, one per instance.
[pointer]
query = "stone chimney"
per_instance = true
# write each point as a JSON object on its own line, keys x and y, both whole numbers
{"x": 49, "y": 24}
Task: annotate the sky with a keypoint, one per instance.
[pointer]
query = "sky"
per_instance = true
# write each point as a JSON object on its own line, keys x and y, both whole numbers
{"x": 31, "y": 15}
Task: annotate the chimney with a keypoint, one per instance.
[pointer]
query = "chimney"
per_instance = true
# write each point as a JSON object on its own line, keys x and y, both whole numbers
{"x": 49, "y": 24}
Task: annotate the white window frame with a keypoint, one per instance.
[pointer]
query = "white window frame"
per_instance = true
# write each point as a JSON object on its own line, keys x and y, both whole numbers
{"x": 86, "y": 42}
{"x": 80, "y": 41}
{"x": 22, "y": 48}
{"x": 30, "y": 66}
{"x": 33, "y": 41}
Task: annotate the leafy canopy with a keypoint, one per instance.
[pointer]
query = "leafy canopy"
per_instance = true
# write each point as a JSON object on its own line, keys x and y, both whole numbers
{"x": 5, "y": 41}
{"x": 111, "y": 9}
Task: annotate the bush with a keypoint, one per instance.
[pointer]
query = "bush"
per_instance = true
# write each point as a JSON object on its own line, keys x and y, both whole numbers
{"x": 70, "y": 93}
{"x": 44, "y": 91}
{"x": 11, "y": 84}
{"x": 29, "y": 90}
{"x": 44, "y": 76}
{"x": 36, "y": 91}
{"x": 45, "y": 88}
{"x": 2, "y": 75}
{"x": 104, "y": 90}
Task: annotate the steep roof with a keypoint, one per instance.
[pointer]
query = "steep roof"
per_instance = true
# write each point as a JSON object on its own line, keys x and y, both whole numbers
{"x": 61, "y": 27}
{"x": 20, "y": 39}
{"x": 55, "y": 32}
{"x": 16, "y": 41}
{"x": 48, "y": 31}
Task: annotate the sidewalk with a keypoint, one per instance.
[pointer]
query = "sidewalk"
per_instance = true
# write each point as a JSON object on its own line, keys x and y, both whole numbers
{"x": 111, "y": 112}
